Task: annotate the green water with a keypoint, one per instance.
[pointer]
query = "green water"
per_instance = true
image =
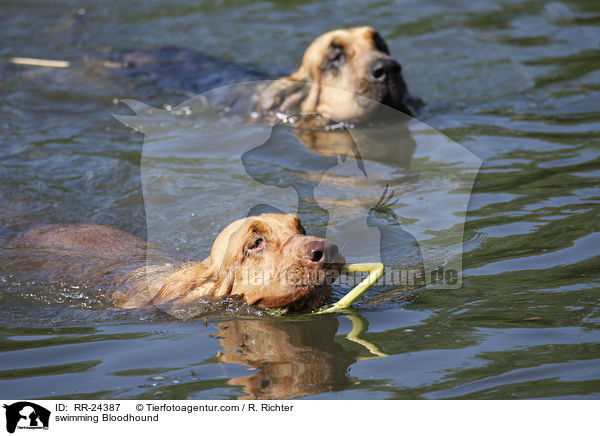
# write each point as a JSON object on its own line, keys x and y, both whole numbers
{"x": 516, "y": 83}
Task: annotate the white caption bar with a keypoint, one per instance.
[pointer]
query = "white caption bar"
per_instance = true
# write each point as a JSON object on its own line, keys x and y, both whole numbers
{"x": 149, "y": 417}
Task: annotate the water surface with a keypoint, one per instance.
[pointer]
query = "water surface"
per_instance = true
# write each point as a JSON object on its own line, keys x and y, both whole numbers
{"x": 517, "y": 83}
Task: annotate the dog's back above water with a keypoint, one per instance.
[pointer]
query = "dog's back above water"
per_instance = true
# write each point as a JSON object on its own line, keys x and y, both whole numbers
{"x": 266, "y": 260}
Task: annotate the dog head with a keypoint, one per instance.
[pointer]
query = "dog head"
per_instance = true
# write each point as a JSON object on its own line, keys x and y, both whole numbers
{"x": 267, "y": 260}
{"x": 344, "y": 75}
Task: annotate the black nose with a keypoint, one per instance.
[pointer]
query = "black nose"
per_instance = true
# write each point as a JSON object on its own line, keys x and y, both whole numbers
{"x": 322, "y": 252}
{"x": 383, "y": 68}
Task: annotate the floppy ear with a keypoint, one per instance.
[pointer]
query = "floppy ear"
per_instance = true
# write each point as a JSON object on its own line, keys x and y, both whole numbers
{"x": 193, "y": 282}
{"x": 284, "y": 95}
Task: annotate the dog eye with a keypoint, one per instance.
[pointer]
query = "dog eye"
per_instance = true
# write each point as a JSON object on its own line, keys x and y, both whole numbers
{"x": 336, "y": 56}
{"x": 339, "y": 56}
{"x": 257, "y": 244}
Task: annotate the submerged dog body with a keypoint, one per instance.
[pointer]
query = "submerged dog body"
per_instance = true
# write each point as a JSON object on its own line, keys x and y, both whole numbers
{"x": 266, "y": 260}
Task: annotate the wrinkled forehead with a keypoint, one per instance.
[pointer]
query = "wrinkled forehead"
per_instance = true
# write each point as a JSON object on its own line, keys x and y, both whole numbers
{"x": 277, "y": 224}
{"x": 274, "y": 225}
{"x": 357, "y": 38}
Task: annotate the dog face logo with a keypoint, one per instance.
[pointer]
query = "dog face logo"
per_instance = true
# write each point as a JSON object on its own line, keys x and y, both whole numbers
{"x": 26, "y": 415}
{"x": 396, "y": 191}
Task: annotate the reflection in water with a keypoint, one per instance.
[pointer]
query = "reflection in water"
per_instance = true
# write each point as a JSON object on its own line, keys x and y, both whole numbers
{"x": 283, "y": 161}
{"x": 359, "y": 326}
{"x": 293, "y": 359}
{"x": 390, "y": 143}
{"x": 300, "y": 159}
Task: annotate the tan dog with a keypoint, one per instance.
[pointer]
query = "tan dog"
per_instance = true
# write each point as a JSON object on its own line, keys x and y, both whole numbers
{"x": 344, "y": 75}
{"x": 266, "y": 260}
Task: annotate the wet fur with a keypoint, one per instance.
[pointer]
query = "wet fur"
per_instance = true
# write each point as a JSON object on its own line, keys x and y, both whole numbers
{"x": 342, "y": 91}
{"x": 258, "y": 276}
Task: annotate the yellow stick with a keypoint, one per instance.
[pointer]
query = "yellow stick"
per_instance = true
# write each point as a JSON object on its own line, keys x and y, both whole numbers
{"x": 40, "y": 62}
{"x": 375, "y": 271}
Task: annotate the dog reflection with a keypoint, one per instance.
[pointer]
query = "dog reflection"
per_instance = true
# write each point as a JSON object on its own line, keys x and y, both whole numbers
{"x": 293, "y": 358}
{"x": 298, "y": 158}
{"x": 390, "y": 144}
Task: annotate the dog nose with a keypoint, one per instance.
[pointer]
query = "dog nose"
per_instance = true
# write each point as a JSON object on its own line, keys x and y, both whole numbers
{"x": 383, "y": 68}
{"x": 322, "y": 252}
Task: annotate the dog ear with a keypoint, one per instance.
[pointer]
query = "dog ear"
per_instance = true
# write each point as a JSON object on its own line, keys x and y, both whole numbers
{"x": 286, "y": 94}
{"x": 193, "y": 282}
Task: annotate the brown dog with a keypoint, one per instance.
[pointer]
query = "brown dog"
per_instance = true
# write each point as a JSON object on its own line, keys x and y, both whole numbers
{"x": 266, "y": 260}
{"x": 344, "y": 75}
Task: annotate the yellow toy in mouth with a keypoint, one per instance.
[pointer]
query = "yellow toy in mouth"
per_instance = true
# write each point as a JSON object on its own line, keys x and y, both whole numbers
{"x": 375, "y": 271}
